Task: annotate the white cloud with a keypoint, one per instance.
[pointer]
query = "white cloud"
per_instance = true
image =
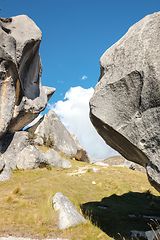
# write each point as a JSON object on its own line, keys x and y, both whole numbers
{"x": 84, "y": 77}
{"x": 74, "y": 114}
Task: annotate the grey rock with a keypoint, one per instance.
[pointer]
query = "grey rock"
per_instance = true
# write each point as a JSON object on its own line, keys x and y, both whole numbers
{"x": 101, "y": 163}
{"x": 55, "y": 160}
{"x": 121, "y": 161}
{"x": 11, "y": 145}
{"x": 81, "y": 154}
{"x": 66, "y": 164}
{"x": 22, "y": 97}
{"x": 68, "y": 215}
{"x": 5, "y": 174}
{"x": 2, "y": 164}
{"x": 150, "y": 235}
{"x": 51, "y": 126}
{"x": 125, "y": 106}
{"x": 129, "y": 165}
{"x": 63, "y": 140}
{"x": 30, "y": 157}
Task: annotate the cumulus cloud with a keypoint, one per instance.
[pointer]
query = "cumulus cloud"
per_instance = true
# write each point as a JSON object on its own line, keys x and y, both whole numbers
{"x": 84, "y": 77}
{"x": 74, "y": 114}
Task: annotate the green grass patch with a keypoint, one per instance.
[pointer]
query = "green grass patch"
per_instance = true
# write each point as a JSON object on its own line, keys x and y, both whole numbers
{"x": 26, "y": 202}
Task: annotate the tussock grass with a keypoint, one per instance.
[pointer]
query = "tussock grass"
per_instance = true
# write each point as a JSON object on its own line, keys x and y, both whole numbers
{"x": 26, "y": 202}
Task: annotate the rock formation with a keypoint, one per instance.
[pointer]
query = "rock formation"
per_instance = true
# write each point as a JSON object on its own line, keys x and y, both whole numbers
{"x": 63, "y": 141}
{"x": 17, "y": 152}
{"x": 22, "y": 97}
{"x": 125, "y": 107}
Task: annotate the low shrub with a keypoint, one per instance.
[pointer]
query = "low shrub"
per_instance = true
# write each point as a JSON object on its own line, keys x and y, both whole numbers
{"x": 47, "y": 142}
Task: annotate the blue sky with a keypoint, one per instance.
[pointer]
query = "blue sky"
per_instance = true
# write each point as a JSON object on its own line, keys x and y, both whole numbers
{"x": 75, "y": 34}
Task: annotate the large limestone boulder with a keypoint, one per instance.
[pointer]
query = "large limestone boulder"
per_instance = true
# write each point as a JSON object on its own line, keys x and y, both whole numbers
{"x": 125, "y": 107}
{"x": 63, "y": 141}
{"x": 22, "y": 97}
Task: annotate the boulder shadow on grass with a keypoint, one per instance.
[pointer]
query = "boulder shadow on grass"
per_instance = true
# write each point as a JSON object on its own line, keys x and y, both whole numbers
{"x": 117, "y": 215}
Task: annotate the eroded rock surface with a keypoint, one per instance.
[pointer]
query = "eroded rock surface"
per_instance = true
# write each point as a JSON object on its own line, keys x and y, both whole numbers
{"x": 22, "y": 97}
{"x": 63, "y": 141}
{"x": 125, "y": 107}
{"x": 11, "y": 145}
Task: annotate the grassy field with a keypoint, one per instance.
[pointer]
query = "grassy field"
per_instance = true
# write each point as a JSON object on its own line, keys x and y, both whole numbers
{"x": 26, "y": 202}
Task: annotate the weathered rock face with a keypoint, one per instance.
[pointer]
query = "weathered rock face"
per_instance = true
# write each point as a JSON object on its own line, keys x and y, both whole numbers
{"x": 18, "y": 153}
{"x": 11, "y": 145}
{"x": 51, "y": 127}
{"x": 22, "y": 97}
{"x": 125, "y": 107}
{"x": 63, "y": 141}
{"x": 30, "y": 157}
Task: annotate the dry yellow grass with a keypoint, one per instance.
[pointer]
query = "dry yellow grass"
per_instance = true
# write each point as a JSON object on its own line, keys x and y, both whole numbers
{"x": 26, "y": 199}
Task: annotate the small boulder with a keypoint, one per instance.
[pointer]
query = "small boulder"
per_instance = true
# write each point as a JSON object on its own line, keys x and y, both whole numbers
{"x": 66, "y": 164}
{"x": 81, "y": 154}
{"x": 54, "y": 159}
{"x": 68, "y": 215}
{"x": 30, "y": 157}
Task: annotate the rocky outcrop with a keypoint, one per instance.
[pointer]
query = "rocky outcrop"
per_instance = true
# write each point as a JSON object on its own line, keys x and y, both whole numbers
{"x": 125, "y": 107}
{"x": 18, "y": 153}
{"x": 22, "y": 97}
{"x": 11, "y": 145}
{"x": 68, "y": 215}
{"x": 51, "y": 128}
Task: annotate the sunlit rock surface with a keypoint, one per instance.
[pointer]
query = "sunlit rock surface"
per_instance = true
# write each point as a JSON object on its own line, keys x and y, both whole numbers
{"x": 125, "y": 107}
{"x": 22, "y": 97}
